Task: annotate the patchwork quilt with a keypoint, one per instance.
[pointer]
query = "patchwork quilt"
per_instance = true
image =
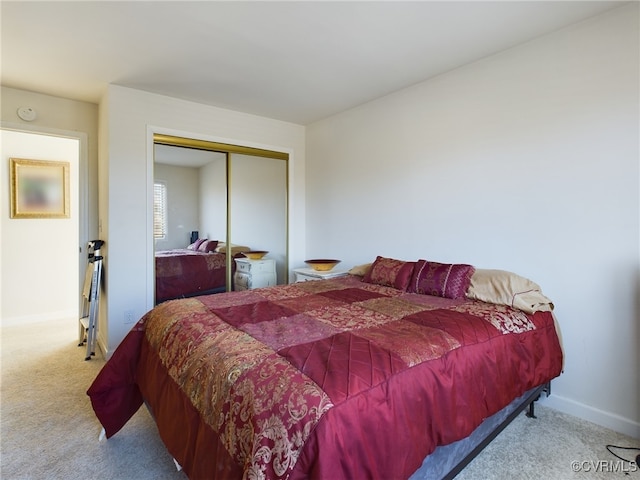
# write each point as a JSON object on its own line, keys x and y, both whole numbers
{"x": 322, "y": 379}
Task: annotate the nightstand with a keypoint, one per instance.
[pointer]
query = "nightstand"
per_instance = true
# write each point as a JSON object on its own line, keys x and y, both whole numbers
{"x": 252, "y": 274}
{"x": 306, "y": 274}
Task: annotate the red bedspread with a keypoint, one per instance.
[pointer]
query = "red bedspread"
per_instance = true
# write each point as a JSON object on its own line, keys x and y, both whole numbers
{"x": 185, "y": 273}
{"x": 325, "y": 379}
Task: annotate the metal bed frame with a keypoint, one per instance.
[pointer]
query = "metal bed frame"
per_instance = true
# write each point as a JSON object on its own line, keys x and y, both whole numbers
{"x": 449, "y": 460}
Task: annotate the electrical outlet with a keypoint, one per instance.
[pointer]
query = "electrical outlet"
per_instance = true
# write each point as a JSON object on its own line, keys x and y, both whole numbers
{"x": 129, "y": 317}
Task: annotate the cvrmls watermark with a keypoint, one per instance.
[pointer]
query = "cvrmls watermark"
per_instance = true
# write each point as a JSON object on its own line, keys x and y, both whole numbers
{"x": 606, "y": 466}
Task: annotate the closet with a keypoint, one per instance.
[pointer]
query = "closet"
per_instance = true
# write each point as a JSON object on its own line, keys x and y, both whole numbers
{"x": 238, "y": 195}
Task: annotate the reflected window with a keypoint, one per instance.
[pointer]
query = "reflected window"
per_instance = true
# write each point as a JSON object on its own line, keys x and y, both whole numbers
{"x": 159, "y": 210}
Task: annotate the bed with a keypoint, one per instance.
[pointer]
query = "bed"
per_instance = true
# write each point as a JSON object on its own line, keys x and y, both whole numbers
{"x": 185, "y": 273}
{"x": 353, "y": 377}
{"x": 199, "y": 269}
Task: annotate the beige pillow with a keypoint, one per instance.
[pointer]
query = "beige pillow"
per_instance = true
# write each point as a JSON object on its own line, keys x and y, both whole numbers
{"x": 360, "y": 270}
{"x": 506, "y": 288}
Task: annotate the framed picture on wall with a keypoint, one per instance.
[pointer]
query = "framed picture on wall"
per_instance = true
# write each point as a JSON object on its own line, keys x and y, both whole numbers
{"x": 39, "y": 188}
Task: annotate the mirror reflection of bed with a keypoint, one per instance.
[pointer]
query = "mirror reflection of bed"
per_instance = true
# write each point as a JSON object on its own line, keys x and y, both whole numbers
{"x": 218, "y": 198}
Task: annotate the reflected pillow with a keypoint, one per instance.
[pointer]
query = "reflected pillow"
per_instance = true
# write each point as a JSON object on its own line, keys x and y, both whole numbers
{"x": 208, "y": 246}
{"x": 448, "y": 280}
{"x": 507, "y": 288}
{"x": 235, "y": 249}
{"x": 389, "y": 272}
{"x": 196, "y": 244}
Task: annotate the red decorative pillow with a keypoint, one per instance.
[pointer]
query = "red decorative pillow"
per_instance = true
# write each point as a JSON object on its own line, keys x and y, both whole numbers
{"x": 208, "y": 246}
{"x": 390, "y": 273}
{"x": 441, "y": 279}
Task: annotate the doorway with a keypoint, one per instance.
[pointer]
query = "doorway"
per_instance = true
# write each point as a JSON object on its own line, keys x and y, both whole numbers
{"x": 41, "y": 262}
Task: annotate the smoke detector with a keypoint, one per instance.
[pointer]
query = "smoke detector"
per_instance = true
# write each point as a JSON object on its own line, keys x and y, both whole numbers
{"x": 27, "y": 114}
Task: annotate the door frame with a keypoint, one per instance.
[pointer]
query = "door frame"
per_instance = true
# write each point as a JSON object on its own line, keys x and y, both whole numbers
{"x": 163, "y": 136}
{"x": 83, "y": 185}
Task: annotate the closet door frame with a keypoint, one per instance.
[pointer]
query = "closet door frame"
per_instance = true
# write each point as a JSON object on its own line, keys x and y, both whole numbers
{"x": 229, "y": 150}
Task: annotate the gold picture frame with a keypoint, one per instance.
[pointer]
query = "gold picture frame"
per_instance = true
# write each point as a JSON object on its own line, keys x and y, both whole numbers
{"x": 39, "y": 188}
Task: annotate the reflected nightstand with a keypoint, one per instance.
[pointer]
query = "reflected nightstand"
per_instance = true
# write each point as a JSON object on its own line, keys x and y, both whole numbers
{"x": 252, "y": 274}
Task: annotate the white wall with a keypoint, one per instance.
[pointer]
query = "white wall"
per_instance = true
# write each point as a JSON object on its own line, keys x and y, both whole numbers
{"x": 70, "y": 119}
{"x": 213, "y": 199}
{"x": 128, "y": 120}
{"x": 39, "y": 256}
{"x": 527, "y": 160}
{"x": 61, "y": 116}
{"x": 183, "y": 204}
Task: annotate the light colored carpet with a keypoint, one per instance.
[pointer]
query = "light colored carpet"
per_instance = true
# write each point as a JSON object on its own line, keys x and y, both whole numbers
{"x": 48, "y": 429}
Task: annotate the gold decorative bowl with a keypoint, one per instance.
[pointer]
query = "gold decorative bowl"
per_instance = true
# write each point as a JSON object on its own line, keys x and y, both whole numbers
{"x": 322, "y": 264}
{"x": 255, "y": 254}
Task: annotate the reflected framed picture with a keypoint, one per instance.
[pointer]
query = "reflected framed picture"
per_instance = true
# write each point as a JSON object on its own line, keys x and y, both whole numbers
{"x": 39, "y": 188}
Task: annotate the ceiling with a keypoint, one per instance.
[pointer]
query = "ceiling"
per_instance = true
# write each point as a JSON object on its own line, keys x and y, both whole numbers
{"x": 294, "y": 61}
{"x": 185, "y": 157}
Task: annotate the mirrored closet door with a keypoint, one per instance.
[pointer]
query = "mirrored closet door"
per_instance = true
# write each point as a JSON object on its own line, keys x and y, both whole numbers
{"x": 192, "y": 189}
{"x": 258, "y": 207}
{"x": 226, "y": 193}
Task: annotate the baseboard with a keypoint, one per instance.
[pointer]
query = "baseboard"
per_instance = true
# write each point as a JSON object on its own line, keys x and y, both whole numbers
{"x": 615, "y": 422}
{"x": 42, "y": 317}
{"x": 102, "y": 345}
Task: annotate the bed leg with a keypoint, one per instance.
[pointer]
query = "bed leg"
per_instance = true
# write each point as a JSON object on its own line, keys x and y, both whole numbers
{"x": 531, "y": 409}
